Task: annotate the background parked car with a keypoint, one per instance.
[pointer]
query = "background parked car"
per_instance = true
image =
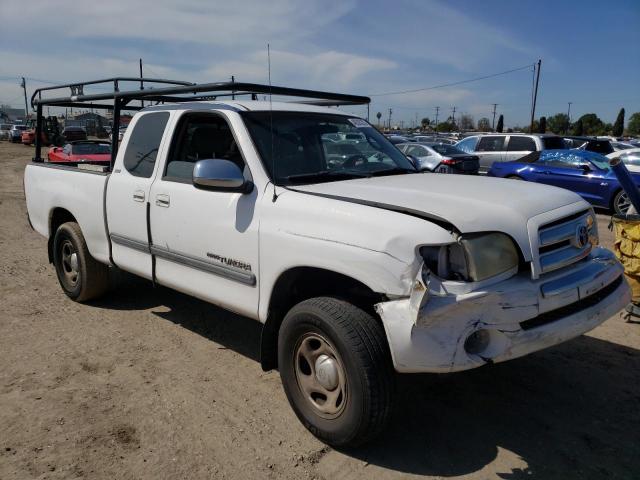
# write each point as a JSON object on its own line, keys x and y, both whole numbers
{"x": 5, "y": 128}
{"x": 621, "y": 146}
{"x": 591, "y": 144}
{"x": 121, "y": 131}
{"x": 74, "y": 133}
{"x": 586, "y": 173}
{"x": 434, "y": 139}
{"x": 81, "y": 151}
{"x": 397, "y": 139}
{"x": 441, "y": 158}
{"x": 630, "y": 157}
{"x": 15, "y": 134}
{"x": 504, "y": 148}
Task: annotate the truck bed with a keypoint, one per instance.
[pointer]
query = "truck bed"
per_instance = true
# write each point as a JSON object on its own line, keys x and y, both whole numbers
{"x": 78, "y": 191}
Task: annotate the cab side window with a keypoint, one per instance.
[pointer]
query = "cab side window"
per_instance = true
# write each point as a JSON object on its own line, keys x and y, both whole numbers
{"x": 142, "y": 149}
{"x": 521, "y": 144}
{"x": 491, "y": 144}
{"x": 200, "y": 137}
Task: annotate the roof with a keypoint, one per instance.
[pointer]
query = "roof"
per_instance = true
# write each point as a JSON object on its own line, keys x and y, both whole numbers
{"x": 247, "y": 105}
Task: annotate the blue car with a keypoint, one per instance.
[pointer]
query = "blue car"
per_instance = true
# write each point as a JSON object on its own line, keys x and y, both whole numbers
{"x": 585, "y": 173}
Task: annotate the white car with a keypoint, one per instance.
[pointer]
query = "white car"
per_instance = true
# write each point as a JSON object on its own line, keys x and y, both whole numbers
{"x": 354, "y": 271}
{"x": 630, "y": 157}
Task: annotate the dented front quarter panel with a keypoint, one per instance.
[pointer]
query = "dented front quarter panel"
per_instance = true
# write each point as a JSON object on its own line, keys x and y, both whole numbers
{"x": 427, "y": 331}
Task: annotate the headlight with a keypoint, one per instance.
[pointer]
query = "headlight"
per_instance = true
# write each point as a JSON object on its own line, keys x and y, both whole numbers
{"x": 475, "y": 257}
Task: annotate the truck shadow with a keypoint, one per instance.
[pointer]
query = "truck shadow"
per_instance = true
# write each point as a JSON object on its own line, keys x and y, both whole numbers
{"x": 572, "y": 411}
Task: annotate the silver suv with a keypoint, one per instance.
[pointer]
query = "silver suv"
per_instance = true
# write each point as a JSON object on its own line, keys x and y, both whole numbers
{"x": 507, "y": 147}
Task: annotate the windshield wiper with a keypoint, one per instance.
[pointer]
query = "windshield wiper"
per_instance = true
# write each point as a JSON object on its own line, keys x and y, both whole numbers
{"x": 325, "y": 175}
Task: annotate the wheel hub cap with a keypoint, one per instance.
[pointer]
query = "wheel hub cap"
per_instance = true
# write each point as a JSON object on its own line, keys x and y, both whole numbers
{"x": 320, "y": 375}
{"x": 74, "y": 262}
{"x": 327, "y": 372}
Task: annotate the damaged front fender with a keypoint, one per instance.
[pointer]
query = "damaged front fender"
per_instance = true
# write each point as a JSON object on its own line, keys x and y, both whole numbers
{"x": 451, "y": 326}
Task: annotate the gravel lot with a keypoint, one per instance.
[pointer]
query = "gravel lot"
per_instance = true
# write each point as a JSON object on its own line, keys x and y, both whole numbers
{"x": 149, "y": 383}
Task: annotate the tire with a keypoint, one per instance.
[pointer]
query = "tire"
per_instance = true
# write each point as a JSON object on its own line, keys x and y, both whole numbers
{"x": 514, "y": 177}
{"x": 81, "y": 277}
{"x": 334, "y": 333}
{"x": 620, "y": 203}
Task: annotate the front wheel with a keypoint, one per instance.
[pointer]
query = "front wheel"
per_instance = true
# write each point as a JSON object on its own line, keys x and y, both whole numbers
{"x": 621, "y": 203}
{"x": 336, "y": 370}
{"x": 81, "y": 277}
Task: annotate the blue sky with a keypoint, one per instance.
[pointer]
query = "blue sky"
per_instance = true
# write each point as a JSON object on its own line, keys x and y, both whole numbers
{"x": 590, "y": 50}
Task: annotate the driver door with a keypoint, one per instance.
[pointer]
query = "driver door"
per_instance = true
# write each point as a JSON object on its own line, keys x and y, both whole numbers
{"x": 205, "y": 243}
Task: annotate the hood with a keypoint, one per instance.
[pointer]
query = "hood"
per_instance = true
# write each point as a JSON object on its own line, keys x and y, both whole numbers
{"x": 468, "y": 203}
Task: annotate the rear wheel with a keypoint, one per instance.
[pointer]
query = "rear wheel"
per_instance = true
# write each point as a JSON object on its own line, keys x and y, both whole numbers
{"x": 81, "y": 277}
{"x": 336, "y": 370}
{"x": 621, "y": 203}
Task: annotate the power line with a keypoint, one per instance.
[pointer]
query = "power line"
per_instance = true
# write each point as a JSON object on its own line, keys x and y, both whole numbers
{"x": 484, "y": 77}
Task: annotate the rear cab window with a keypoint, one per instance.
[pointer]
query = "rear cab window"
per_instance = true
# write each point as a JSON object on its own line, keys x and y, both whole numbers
{"x": 144, "y": 142}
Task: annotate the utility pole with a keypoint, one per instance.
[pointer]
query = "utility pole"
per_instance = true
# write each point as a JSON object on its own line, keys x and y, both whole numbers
{"x": 437, "y": 111}
{"x": 453, "y": 115}
{"x": 568, "y": 117}
{"x": 141, "y": 83}
{"x": 26, "y": 108}
{"x": 233, "y": 92}
{"x": 390, "y": 119}
{"x": 493, "y": 124}
{"x": 535, "y": 95}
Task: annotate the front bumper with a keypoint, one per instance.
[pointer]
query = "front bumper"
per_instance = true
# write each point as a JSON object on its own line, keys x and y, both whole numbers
{"x": 514, "y": 317}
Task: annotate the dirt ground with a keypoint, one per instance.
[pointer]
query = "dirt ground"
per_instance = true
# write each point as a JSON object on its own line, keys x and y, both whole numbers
{"x": 149, "y": 383}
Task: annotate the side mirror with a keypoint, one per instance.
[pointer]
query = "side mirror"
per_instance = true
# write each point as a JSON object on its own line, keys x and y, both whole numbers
{"x": 585, "y": 167}
{"x": 221, "y": 175}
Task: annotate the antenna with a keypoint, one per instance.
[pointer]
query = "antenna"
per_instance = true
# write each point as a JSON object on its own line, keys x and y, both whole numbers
{"x": 273, "y": 158}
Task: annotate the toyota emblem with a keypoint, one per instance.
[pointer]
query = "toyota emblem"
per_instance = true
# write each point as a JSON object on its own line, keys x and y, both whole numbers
{"x": 582, "y": 236}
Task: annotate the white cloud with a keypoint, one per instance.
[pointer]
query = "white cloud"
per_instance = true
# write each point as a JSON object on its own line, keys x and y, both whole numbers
{"x": 221, "y": 24}
{"x": 329, "y": 69}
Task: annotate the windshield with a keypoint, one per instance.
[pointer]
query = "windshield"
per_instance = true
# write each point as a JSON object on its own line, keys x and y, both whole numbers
{"x": 301, "y": 148}
{"x": 598, "y": 160}
{"x": 91, "y": 148}
{"x": 444, "y": 149}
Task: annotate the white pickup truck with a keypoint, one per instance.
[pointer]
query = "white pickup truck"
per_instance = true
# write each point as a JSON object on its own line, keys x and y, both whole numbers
{"x": 356, "y": 267}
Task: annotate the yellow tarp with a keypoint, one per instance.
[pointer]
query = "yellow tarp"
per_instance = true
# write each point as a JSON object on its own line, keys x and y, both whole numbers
{"x": 627, "y": 249}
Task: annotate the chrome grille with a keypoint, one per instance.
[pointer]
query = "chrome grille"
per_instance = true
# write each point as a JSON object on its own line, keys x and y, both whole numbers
{"x": 566, "y": 241}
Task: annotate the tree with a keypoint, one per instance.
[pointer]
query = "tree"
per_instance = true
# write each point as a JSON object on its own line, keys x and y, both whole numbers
{"x": 425, "y": 122}
{"x": 500, "y": 126}
{"x": 558, "y": 123}
{"x": 484, "y": 125}
{"x": 378, "y": 116}
{"x": 542, "y": 126}
{"x": 633, "y": 126}
{"x": 578, "y": 128}
{"x": 447, "y": 126}
{"x": 466, "y": 122}
{"x": 618, "y": 126}
{"x": 591, "y": 124}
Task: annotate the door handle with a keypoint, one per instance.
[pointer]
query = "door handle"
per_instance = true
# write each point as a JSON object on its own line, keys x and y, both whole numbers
{"x": 138, "y": 196}
{"x": 162, "y": 200}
